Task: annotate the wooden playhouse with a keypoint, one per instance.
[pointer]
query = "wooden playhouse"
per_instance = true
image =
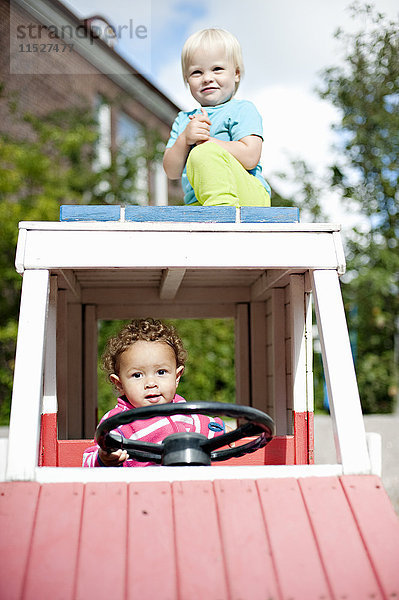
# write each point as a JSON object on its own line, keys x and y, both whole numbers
{"x": 273, "y": 526}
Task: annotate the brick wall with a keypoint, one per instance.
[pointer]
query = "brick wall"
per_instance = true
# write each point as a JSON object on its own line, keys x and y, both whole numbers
{"x": 77, "y": 83}
{"x": 42, "y": 91}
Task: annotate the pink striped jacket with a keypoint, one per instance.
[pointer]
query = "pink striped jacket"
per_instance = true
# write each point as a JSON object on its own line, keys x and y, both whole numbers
{"x": 153, "y": 430}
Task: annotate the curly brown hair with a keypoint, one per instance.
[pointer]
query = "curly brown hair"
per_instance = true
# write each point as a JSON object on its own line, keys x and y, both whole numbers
{"x": 148, "y": 330}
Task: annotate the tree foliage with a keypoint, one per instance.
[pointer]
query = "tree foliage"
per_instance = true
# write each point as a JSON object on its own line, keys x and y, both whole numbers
{"x": 51, "y": 165}
{"x": 365, "y": 89}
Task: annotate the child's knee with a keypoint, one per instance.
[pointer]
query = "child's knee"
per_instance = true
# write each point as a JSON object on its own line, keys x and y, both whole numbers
{"x": 202, "y": 153}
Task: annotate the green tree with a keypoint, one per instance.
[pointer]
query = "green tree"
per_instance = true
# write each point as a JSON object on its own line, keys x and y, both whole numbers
{"x": 366, "y": 91}
{"x": 50, "y": 166}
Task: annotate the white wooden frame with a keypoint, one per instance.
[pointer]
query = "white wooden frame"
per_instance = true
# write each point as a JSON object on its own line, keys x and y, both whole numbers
{"x": 23, "y": 441}
{"x": 289, "y": 253}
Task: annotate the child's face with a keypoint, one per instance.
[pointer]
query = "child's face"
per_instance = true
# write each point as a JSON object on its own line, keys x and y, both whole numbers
{"x": 148, "y": 373}
{"x": 211, "y": 77}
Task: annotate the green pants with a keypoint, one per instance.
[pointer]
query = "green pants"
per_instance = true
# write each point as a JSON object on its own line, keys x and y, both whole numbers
{"x": 218, "y": 179}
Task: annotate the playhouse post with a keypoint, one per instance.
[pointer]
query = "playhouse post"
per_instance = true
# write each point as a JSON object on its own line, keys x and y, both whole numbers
{"x": 349, "y": 432}
{"x": 28, "y": 377}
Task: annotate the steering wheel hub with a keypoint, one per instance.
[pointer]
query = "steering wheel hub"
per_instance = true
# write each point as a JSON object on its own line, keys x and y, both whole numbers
{"x": 185, "y": 449}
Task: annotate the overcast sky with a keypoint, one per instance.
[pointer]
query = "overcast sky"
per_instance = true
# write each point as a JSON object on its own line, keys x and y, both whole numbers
{"x": 286, "y": 43}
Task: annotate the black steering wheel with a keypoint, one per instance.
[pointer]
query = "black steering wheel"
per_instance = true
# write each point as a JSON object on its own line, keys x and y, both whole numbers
{"x": 187, "y": 448}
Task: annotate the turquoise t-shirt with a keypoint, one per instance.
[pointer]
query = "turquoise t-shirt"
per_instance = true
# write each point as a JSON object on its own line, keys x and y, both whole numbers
{"x": 230, "y": 121}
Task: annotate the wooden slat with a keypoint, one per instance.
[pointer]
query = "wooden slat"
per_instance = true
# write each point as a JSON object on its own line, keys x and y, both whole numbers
{"x": 257, "y": 315}
{"x": 378, "y": 525}
{"x": 214, "y": 214}
{"x": 249, "y": 563}
{"x": 280, "y": 451}
{"x": 341, "y": 548}
{"x": 48, "y": 455}
{"x": 75, "y": 370}
{"x": 292, "y": 542}
{"x": 278, "y": 361}
{"x": 275, "y": 214}
{"x": 235, "y": 248}
{"x": 204, "y": 293}
{"x": 52, "y": 560}
{"x": 101, "y": 572}
{"x": 167, "y": 311}
{"x": 201, "y": 567}
{"x": 18, "y": 502}
{"x": 69, "y": 212}
{"x": 170, "y": 283}
{"x": 90, "y": 351}
{"x": 242, "y": 354}
{"x": 151, "y": 566}
{"x": 62, "y": 362}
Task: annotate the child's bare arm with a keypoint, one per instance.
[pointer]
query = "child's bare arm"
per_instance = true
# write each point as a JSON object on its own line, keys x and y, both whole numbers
{"x": 114, "y": 459}
{"x": 196, "y": 132}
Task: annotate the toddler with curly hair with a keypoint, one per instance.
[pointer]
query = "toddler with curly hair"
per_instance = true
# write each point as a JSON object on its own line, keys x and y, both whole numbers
{"x": 145, "y": 362}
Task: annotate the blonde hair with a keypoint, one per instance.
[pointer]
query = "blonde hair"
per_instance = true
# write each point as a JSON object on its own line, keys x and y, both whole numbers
{"x": 207, "y": 38}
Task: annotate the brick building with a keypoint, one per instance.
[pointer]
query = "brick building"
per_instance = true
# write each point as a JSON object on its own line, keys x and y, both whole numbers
{"x": 86, "y": 70}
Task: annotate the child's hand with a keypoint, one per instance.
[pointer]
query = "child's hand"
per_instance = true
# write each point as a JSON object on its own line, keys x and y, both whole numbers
{"x": 114, "y": 459}
{"x": 198, "y": 130}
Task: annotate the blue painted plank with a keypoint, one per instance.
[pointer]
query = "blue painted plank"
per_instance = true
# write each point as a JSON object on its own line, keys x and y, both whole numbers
{"x": 69, "y": 212}
{"x": 209, "y": 214}
{"x": 254, "y": 214}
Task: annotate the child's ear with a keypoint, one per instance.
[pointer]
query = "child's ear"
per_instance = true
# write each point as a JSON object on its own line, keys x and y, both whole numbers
{"x": 179, "y": 373}
{"x": 237, "y": 76}
{"x": 116, "y": 381}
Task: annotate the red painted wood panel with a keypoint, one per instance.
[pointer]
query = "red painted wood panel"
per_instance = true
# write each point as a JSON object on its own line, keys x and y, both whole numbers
{"x": 48, "y": 441}
{"x": 299, "y": 570}
{"x": 318, "y": 538}
{"x": 343, "y": 554}
{"x": 201, "y": 567}
{"x": 249, "y": 562}
{"x": 151, "y": 561}
{"x": 378, "y": 525}
{"x": 311, "y": 438}
{"x": 70, "y": 452}
{"x": 300, "y": 421}
{"x": 52, "y": 562}
{"x": 101, "y": 570}
{"x": 280, "y": 451}
{"x": 18, "y": 501}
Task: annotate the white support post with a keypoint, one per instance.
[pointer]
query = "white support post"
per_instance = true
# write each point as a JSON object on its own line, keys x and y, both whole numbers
{"x": 62, "y": 364}
{"x": 75, "y": 371}
{"x": 298, "y": 347}
{"x": 23, "y": 444}
{"x": 50, "y": 404}
{"x": 258, "y": 355}
{"x": 90, "y": 370}
{"x": 349, "y": 432}
{"x": 242, "y": 355}
{"x": 278, "y": 360}
{"x": 309, "y": 351}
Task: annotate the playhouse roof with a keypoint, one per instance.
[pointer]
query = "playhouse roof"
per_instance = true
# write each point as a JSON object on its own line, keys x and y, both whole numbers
{"x": 267, "y": 538}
